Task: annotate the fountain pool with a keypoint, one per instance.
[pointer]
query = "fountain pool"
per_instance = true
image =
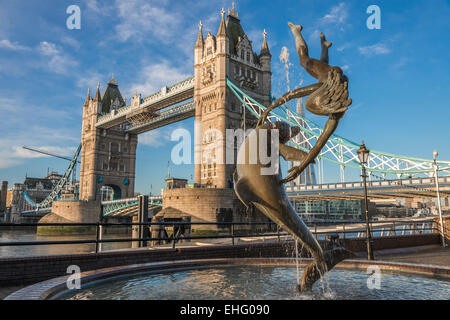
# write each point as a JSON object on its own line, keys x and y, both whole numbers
{"x": 256, "y": 281}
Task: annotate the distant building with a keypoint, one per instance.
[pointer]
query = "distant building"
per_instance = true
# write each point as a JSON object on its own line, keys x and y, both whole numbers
{"x": 36, "y": 190}
{"x": 332, "y": 210}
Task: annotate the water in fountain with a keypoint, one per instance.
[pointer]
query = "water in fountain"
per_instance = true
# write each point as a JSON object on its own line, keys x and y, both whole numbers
{"x": 297, "y": 265}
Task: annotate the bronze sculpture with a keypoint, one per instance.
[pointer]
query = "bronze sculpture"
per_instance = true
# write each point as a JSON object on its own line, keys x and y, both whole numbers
{"x": 266, "y": 192}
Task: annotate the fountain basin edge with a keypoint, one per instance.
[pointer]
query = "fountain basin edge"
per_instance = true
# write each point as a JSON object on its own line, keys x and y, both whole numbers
{"x": 50, "y": 288}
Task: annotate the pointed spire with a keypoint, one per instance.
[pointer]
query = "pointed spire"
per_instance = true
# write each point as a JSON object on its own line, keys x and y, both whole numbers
{"x": 222, "y": 29}
{"x": 88, "y": 97}
{"x": 97, "y": 94}
{"x": 265, "y": 47}
{"x": 233, "y": 12}
{"x": 113, "y": 81}
{"x": 199, "y": 43}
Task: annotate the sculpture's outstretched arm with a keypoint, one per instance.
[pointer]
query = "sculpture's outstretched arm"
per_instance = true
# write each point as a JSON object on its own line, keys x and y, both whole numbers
{"x": 329, "y": 129}
{"x": 294, "y": 94}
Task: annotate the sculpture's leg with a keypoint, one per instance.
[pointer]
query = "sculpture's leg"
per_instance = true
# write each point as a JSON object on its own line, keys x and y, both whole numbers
{"x": 302, "y": 50}
{"x": 325, "y": 46}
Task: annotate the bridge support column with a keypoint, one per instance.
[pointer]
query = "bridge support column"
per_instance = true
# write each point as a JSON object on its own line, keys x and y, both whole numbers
{"x": 141, "y": 231}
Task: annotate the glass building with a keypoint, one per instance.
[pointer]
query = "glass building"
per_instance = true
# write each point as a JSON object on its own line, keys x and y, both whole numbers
{"x": 329, "y": 210}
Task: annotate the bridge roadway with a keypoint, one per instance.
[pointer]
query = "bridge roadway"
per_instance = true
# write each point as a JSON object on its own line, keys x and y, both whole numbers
{"x": 144, "y": 116}
{"x": 403, "y": 188}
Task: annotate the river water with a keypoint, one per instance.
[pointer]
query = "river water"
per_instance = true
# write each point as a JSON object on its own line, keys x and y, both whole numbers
{"x": 46, "y": 250}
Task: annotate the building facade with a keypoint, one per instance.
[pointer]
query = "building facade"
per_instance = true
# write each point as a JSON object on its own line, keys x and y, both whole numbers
{"x": 228, "y": 54}
{"x": 108, "y": 156}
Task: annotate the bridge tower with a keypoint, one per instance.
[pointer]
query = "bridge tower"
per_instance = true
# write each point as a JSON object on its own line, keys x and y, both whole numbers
{"x": 228, "y": 54}
{"x": 108, "y": 156}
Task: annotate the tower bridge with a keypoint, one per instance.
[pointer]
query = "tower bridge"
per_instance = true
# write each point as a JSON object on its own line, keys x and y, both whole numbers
{"x": 230, "y": 88}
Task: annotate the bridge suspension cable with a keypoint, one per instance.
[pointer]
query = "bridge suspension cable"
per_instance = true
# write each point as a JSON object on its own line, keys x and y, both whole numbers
{"x": 339, "y": 150}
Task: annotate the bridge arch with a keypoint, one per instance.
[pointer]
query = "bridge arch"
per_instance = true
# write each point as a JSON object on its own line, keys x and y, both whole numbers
{"x": 108, "y": 192}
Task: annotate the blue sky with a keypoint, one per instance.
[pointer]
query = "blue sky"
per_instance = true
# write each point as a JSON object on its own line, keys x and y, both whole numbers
{"x": 399, "y": 75}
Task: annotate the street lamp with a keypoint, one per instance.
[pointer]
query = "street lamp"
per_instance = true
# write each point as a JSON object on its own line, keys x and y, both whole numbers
{"x": 363, "y": 156}
{"x": 436, "y": 179}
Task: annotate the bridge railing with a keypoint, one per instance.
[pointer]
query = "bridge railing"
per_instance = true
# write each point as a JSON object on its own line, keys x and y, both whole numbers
{"x": 271, "y": 232}
{"x": 370, "y": 184}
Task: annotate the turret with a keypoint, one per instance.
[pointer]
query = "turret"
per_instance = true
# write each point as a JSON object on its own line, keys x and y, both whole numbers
{"x": 265, "y": 57}
{"x": 98, "y": 100}
{"x": 222, "y": 36}
{"x": 88, "y": 98}
{"x": 199, "y": 45}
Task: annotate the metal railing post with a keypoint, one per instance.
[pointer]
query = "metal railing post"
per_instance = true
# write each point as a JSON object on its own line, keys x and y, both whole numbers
{"x": 97, "y": 237}
{"x": 232, "y": 234}
{"x": 100, "y": 237}
{"x": 173, "y": 237}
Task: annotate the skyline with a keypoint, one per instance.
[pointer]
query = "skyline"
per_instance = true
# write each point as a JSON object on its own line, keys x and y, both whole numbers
{"x": 62, "y": 64}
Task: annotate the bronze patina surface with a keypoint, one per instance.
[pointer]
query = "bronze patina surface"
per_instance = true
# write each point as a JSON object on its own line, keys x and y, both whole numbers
{"x": 266, "y": 192}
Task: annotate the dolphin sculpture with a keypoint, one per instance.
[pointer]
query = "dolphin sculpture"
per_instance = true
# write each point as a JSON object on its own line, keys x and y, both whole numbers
{"x": 265, "y": 191}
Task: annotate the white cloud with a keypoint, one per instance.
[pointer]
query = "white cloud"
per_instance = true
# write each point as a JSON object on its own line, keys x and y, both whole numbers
{"x": 20, "y": 152}
{"x": 376, "y": 49}
{"x": 55, "y": 60}
{"x": 141, "y": 19}
{"x": 337, "y": 15}
{"x": 93, "y": 5}
{"x": 71, "y": 42}
{"x": 90, "y": 79}
{"x": 155, "y": 76}
{"x": 41, "y": 128}
{"x": 7, "y": 44}
{"x": 158, "y": 137}
{"x": 48, "y": 48}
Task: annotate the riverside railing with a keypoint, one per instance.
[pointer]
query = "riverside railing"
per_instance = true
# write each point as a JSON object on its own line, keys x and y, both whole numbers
{"x": 379, "y": 229}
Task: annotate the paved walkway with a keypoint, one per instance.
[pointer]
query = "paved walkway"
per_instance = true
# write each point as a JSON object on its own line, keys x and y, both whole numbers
{"x": 433, "y": 254}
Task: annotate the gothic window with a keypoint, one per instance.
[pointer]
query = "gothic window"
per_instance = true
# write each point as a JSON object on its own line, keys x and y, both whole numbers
{"x": 248, "y": 56}
{"x": 113, "y": 166}
{"x": 236, "y": 70}
{"x": 105, "y": 165}
{"x": 114, "y": 147}
{"x": 209, "y": 51}
{"x": 242, "y": 54}
{"x": 248, "y": 73}
{"x": 121, "y": 167}
{"x": 125, "y": 149}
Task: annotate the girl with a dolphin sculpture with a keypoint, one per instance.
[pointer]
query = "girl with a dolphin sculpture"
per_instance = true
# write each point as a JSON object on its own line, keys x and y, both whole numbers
{"x": 329, "y": 97}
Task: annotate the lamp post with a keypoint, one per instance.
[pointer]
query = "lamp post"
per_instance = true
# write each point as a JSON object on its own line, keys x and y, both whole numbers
{"x": 436, "y": 179}
{"x": 363, "y": 156}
